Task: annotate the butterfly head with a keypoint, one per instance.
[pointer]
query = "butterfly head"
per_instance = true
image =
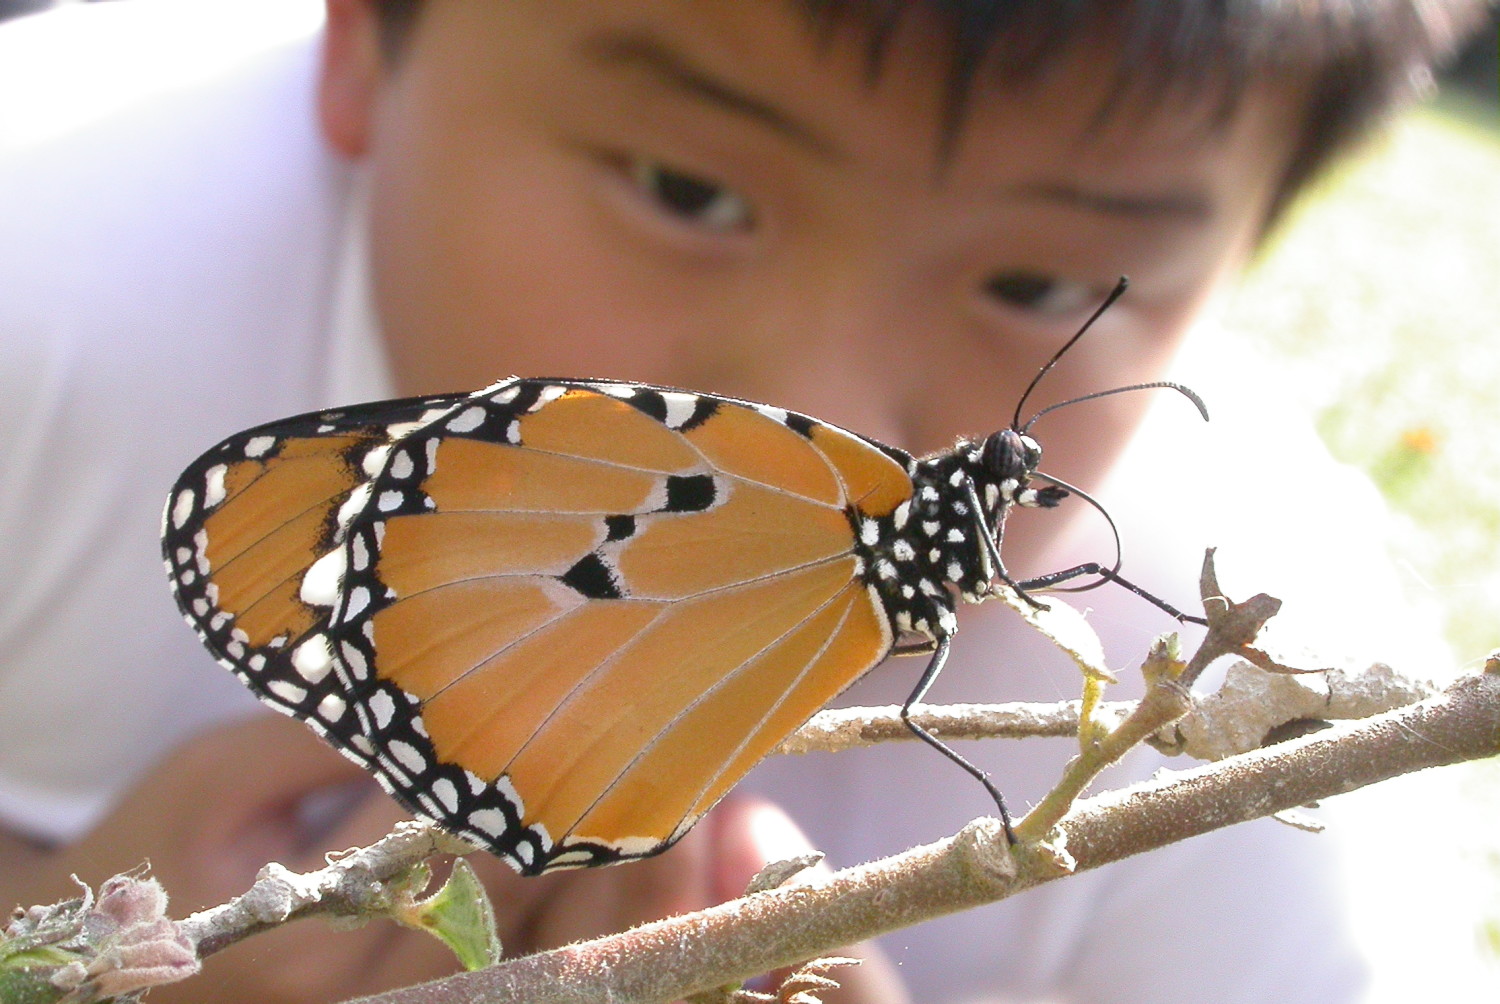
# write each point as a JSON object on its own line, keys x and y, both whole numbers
{"x": 1006, "y": 463}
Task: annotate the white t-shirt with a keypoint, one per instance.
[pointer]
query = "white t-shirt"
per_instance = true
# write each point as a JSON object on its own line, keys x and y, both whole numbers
{"x": 181, "y": 258}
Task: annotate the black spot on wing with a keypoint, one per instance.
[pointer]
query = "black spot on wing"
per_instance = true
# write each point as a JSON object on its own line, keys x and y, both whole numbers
{"x": 650, "y": 402}
{"x": 800, "y": 424}
{"x": 704, "y": 408}
{"x": 591, "y": 578}
{"x": 619, "y": 527}
{"x": 690, "y": 492}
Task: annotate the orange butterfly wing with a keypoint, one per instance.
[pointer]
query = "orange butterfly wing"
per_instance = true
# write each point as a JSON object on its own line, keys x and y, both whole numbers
{"x": 571, "y": 615}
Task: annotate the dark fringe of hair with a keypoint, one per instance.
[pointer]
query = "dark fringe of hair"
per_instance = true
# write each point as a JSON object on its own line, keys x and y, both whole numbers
{"x": 1359, "y": 58}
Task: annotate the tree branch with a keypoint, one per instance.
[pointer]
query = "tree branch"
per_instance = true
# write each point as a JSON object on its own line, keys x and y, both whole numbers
{"x": 673, "y": 958}
{"x": 361, "y": 883}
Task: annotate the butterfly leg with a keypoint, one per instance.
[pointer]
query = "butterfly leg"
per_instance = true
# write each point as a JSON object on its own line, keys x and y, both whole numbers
{"x": 1051, "y": 579}
{"x": 989, "y": 537}
{"x": 935, "y": 666}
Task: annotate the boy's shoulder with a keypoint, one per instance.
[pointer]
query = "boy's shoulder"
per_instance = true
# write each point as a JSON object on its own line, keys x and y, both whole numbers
{"x": 160, "y": 191}
{"x": 172, "y": 238}
{"x": 82, "y": 64}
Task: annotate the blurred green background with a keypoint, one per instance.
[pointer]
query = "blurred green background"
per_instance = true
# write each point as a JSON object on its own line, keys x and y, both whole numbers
{"x": 1379, "y": 299}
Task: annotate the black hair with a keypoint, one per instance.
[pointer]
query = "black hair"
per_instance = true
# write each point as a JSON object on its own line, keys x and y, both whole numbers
{"x": 1356, "y": 60}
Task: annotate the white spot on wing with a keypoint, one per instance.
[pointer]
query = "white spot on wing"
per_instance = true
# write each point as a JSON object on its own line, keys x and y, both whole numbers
{"x": 680, "y": 408}
{"x": 402, "y": 466}
{"x": 467, "y": 420}
{"x": 182, "y": 508}
{"x": 490, "y": 821}
{"x": 258, "y": 446}
{"x": 354, "y": 504}
{"x": 446, "y": 794}
{"x": 332, "y": 708}
{"x": 360, "y": 547}
{"x": 777, "y": 414}
{"x": 383, "y": 708}
{"x": 407, "y": 755}
{"x": 359, "y": 599}
{"x": 508, "y": 791}
{"x": 374, "y": 460}
{"x": 629, "y": 846}
{"x": 321, "y": 582}
{"x": 313, "y": 659}
{"x": 287, "y": 691}
{"x": 354, "y": 660}
{"x": 213, "y": 486}
{"x": 550, "y": 394}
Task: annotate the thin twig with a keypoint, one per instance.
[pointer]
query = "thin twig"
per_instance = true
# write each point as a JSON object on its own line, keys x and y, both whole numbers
{"x": 360, "y": 883}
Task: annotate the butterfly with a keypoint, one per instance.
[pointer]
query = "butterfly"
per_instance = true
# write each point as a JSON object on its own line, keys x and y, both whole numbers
{"x": 562, "y": 618}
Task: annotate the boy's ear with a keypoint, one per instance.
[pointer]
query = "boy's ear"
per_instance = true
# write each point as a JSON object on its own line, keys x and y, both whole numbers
{"x": 349, "y": 82}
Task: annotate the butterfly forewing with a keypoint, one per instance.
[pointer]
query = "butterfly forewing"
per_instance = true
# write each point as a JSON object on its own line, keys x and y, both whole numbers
{"x": 573, "y": 614}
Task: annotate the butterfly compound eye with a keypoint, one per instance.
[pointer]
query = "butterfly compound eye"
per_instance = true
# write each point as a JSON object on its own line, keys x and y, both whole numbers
{"x": 1009, "y": 455}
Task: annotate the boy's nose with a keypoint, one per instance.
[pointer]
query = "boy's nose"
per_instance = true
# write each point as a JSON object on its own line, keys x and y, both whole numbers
{"x": 843, "y": 354}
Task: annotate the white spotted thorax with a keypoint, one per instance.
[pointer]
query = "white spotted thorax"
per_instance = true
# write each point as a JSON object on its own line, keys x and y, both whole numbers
{"x": 934, "y": 543}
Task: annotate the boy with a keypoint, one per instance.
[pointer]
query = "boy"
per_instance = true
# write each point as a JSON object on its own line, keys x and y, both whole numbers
{"x": 885, "y": 215}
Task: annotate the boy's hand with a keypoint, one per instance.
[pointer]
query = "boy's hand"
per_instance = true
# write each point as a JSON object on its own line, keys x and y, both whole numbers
{"x": 224, "y": 804}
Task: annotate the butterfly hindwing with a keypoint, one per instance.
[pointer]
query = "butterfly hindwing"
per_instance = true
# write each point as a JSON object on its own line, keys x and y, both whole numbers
{"x": 571, "y": 614}
{"x": 247, "y": 519}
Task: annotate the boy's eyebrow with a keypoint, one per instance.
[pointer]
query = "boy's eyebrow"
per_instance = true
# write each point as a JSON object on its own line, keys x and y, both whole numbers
{"x": 671, "y": 67}
{"x": 1191, "y": 207}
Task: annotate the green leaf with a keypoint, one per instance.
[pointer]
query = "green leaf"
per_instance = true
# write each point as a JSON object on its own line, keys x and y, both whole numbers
{"x": 28, "y": 986}
{"x": 460, "y": 915}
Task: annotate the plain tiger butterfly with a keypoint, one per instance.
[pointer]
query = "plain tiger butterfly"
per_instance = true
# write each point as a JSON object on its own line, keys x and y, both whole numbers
{"x": 562, "y": 618}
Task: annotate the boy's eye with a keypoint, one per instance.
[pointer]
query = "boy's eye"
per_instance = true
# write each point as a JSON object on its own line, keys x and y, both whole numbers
{"x": 1041, "y": 294}
{"x": 690, "y": 198}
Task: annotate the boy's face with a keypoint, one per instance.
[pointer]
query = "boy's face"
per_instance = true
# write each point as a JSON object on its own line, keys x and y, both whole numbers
{"x": 704, "y": 195}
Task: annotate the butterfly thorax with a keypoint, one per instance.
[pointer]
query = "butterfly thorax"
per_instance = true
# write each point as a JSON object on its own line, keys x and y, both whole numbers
{"x": 930, "y": 548}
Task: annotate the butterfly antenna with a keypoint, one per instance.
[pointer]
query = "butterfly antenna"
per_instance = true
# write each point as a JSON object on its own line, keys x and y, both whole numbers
{"x": 1109, "y": 300}
{"x": 1186, "y": 392}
